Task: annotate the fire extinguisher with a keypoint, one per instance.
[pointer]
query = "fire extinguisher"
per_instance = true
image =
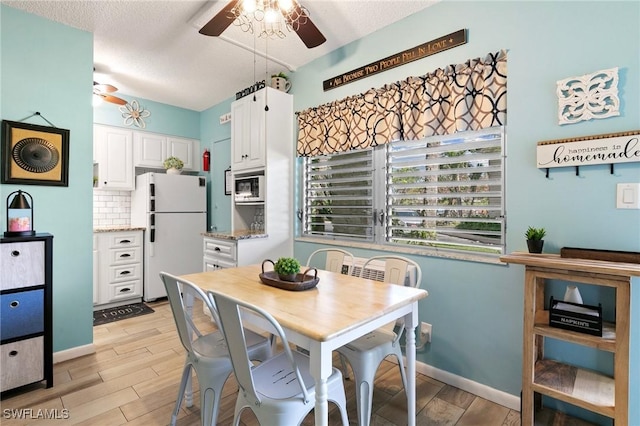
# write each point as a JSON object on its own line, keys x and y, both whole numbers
{"x": 205, "y": 160}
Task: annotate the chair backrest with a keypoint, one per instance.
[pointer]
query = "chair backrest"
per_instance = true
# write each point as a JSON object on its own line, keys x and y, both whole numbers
{"x": 181, "y": 295}
{"x": 334, "y": 259}
{"x": 395, "y": 269}
{"x": 233, "y": 330}
{"x": 395, "y": 272}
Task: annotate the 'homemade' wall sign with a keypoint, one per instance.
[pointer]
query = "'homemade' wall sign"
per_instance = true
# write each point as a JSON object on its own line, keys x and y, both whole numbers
{"x": 422, "y": 51}
{"x": 585, "y": 151}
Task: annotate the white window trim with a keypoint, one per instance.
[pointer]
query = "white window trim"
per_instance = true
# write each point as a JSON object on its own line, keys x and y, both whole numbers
{"x": 379, "y": 243}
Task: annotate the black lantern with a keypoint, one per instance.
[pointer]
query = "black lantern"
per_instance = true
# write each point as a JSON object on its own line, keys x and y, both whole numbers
{"x": 19, "y": 215}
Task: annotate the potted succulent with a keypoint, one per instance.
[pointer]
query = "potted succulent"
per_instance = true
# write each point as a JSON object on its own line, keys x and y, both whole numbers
{"x": 173, "y": 165}
{"x": 287, "y": 268}
{"x": 535, "y": 239}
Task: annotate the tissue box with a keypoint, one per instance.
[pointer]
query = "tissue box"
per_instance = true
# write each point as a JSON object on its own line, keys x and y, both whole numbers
{"x": 576, "y": 317}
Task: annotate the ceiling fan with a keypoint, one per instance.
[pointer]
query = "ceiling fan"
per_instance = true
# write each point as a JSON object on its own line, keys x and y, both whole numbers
{"x": 103, "y": 90}
{"x": 296, "y": 18}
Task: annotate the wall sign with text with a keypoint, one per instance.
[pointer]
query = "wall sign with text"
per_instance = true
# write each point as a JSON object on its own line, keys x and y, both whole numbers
{"x": 599, "y": 149}
{"x": 422, "y": 51}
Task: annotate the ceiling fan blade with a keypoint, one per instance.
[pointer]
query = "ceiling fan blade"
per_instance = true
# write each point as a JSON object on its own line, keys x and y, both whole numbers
{"x": 306, "y": 30}
{"x": 221, "y": 21}
{"x": 108, "y": 88}
{"x": 113, "y": 99}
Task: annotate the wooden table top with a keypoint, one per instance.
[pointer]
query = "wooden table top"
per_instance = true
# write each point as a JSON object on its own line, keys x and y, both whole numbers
{"x": 335, "y": 306}
{"x": 554, "y": 261}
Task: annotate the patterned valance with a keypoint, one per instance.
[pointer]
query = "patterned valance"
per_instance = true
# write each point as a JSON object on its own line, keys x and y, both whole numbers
{"x": 469, "y": 96}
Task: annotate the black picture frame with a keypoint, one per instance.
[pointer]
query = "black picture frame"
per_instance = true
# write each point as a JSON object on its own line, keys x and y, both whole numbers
{"x": 227, "y": 182}
{"x": 34, "y": 155}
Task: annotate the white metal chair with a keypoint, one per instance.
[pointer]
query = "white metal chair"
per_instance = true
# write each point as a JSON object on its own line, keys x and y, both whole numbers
{"x": 207, "y": 354}
{"x": 280, "y": 390}
{"x": 367, "y": 352}
{"x": 334, "y": 259}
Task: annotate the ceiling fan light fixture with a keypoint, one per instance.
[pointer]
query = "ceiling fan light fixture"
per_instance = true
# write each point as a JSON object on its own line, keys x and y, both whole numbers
{"x": 272, "y": 15}
{"x": 249, "y": 6}
{"x": 285, "y": 5}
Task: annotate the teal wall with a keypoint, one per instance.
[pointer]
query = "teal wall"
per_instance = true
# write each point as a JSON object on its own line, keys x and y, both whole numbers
{"x": 217, "y": 138}
{"x": 164, "y": 119}
{"x": 47, "y": 67}
{"x": 475, "y": 308}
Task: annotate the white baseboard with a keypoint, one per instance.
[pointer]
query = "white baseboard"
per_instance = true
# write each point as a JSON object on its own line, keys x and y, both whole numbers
{"x": 494, "y": 395}
{"x": 72, "y": 353}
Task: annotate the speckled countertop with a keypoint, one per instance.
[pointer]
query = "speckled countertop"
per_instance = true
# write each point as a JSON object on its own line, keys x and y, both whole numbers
{"x": 236, "y": 235}
{"x": 119, "y": 228}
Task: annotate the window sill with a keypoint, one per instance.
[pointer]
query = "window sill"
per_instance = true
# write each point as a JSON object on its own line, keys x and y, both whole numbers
{"x": 467, "y": 257}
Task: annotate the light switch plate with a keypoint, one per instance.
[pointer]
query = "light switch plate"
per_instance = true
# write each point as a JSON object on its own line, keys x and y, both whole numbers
{"x": 628, "y": 196}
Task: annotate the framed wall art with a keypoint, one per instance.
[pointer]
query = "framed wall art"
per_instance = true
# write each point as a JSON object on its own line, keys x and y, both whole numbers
{"x": 228, "y": 182}
{"x": 34, "y": 155}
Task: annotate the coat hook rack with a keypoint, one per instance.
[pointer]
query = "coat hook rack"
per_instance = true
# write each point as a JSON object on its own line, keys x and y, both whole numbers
{"x": 611, "y": 148}
{"x": 41, "y": 116}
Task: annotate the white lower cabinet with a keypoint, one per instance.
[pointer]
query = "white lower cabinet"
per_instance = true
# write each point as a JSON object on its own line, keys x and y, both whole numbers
{"x": 118, "y": 269}
{"x": 219, "y": 254}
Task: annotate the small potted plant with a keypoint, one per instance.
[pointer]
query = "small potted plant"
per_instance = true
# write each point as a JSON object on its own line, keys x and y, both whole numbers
{"x": 535, "y": 239}
{"x": 287, "y": 268}
{"x": 173, "y": 165}
{"x": 281, "y": 82}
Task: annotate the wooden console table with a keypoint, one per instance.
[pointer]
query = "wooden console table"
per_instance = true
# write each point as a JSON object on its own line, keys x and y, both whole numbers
{"x": 591, "y": 390}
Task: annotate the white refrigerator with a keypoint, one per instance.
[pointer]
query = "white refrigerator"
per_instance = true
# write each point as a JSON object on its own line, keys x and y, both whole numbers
{"x": 173, "y": 210}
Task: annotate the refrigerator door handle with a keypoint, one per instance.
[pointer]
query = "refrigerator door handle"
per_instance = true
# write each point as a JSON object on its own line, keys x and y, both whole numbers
{"x": 152, "y": 236}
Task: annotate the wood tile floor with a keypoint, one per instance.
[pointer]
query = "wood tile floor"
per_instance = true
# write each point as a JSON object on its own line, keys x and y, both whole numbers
{"x": 133, "y": 379}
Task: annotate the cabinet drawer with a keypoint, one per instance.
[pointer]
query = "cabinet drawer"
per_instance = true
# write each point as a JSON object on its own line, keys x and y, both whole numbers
{"x": 122, "y": 239}
{"x": 119, "y": 256}
{"x": 211, "y": 264}
{"x": 21, "y": 314}
{"x": 22, "y": 264}
{"x": 220, "y": 249}
{"x": 124, "y": 273}
{"x": 22, "y": 363}
{"x": 123, "y": 291}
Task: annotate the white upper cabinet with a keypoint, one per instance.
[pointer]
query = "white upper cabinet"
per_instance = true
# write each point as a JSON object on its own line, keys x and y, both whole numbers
{"x": 117, "y": 151}
{"x": 248, "y": 136}
{"x": 113, "y": 147}
{"x": 184, "y": 149}
{"x": 152, "y": 149}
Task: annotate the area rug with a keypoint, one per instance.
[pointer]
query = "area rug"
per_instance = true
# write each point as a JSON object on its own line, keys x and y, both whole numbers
{"x": 118, "y": 313}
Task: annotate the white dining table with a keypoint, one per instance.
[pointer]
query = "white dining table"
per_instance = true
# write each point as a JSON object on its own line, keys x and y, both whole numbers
{"x": 338, "y": 310}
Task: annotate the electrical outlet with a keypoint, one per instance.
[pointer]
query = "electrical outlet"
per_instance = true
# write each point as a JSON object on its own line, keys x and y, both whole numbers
{"x": 425, "y": 332}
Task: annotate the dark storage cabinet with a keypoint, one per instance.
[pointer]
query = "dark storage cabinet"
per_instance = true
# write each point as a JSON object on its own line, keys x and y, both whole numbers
{"x": 26, "y": 347}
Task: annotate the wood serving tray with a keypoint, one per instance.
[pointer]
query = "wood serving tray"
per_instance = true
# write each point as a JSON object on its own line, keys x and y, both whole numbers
{"x": 302, "y": 282}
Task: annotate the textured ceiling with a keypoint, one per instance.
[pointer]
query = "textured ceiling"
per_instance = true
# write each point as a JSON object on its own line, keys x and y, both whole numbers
{"x": 152, "y": 49}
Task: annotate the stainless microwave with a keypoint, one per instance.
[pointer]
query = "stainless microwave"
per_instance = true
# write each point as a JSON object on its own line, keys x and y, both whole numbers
{"x": 249, "y": 189}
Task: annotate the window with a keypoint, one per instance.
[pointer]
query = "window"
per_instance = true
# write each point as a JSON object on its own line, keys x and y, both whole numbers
{"x": 443, "y": 192}
{"x": 339, "y": 196}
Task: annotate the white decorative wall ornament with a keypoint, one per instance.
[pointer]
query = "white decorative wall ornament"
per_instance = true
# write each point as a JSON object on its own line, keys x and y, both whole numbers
{"x": 589, "y": 96}
{"x": 133, "y": 113}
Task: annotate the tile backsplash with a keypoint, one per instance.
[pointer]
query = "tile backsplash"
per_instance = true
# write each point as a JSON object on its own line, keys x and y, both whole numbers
{"x": 111, "y": 208}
